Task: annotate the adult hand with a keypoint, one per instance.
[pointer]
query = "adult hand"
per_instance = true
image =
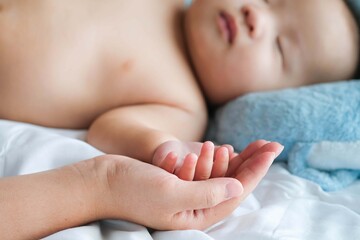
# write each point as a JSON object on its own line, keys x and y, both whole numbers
{"x": 251, "y": 165}
{"x": 148, "y": 195}
{"x": 116, "y": 187}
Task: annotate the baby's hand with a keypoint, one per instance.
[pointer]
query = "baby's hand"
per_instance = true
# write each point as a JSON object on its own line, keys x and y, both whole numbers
{"x": 200, "y": 161}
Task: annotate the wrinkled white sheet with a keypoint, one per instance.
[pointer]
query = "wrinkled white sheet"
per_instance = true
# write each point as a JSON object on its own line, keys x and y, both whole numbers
{"x": 282, "y": 207}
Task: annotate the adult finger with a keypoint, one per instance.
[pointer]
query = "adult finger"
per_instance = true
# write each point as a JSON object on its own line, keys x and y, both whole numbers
{"x": 208, "y": 193}
{"x": 252, "y": 172}
{"x": 244, "y": 155}
{"x": 274, "y": 147}
{"x": 207, "y": 202}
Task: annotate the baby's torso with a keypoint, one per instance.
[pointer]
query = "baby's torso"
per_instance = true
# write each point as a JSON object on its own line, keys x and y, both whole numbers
{"x": 63, "y": 63}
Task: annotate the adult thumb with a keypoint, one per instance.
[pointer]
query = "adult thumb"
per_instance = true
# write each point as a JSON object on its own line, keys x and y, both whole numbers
{"x": 209, "y": 193}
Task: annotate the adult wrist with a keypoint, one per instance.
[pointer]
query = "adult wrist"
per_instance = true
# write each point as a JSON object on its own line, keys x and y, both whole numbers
{"x": 99, "y": 175}
{"x": 90, "y": 187}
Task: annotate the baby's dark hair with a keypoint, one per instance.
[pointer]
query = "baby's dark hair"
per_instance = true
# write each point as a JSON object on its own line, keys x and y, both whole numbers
{"x": 354, "y": 6}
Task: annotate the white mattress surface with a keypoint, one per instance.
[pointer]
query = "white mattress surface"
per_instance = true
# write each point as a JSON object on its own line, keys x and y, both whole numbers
{"x": 282, "y": 207}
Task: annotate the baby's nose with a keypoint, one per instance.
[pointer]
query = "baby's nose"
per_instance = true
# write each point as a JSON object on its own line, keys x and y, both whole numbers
{"x": 255, "y": 20}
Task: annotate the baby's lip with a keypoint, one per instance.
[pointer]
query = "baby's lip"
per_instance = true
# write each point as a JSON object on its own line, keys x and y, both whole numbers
{"x": 227, "y": 26}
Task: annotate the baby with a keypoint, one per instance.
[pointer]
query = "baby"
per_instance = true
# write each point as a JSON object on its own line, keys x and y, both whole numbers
{"x": 139, "y": 74}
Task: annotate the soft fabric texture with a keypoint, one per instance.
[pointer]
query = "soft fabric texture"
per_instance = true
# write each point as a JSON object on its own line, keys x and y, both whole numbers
{"x": 187, "y": 3}
{"x": 313, "y": 123}
{"x": 282, "y": 206}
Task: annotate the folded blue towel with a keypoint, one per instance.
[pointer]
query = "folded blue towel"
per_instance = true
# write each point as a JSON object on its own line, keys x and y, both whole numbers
{"x": 319, "y": 126}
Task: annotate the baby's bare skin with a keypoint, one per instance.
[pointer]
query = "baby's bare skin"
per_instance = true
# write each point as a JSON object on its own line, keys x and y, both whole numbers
{"x": 69, "y": 63}
{"x": 64, "y": 63}
{"x": 120, "y": 68}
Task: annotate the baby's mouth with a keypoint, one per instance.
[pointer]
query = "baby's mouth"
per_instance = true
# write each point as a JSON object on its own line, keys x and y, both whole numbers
{"x": 228, "y": 28}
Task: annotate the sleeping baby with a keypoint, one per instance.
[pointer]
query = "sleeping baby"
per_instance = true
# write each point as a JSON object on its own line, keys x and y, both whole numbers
{"x": 139, "y": 75}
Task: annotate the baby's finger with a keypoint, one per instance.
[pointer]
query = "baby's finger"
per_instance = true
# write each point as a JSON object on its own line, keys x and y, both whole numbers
{"x": 230, "y": 148}
{"x": 205, "y": 162}
{"x": 221, "y": 162}
{"x": 169, "y": 163}
{"x": 187, "y": 170}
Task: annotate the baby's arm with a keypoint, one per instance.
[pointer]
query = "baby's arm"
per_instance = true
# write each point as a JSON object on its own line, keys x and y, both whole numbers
{"x": 137, "y": 131}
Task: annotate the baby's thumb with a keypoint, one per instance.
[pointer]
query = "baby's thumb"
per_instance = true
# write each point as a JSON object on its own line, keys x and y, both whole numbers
{"x": 209, "y": 193}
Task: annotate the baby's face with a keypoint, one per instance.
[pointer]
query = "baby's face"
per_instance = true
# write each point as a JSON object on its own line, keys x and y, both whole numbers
{"x": 241, "y": 46}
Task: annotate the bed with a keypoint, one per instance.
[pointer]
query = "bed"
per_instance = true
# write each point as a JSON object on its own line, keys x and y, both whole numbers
{"x": 283, "y": 206}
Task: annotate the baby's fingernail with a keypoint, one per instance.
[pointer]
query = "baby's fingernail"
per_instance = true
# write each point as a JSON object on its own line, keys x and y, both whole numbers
{"x": 233, "y": 189}
{"x": 209, "y": 144}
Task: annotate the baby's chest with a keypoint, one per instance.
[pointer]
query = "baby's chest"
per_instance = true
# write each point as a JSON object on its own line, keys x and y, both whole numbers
{"x": 76, "y": 68}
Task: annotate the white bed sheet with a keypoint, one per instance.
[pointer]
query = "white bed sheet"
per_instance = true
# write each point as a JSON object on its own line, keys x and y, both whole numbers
{"x": 282, "y": 207}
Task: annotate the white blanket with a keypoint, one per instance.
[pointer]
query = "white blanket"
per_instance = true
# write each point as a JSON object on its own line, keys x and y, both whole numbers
{"x": 282, "y": 207}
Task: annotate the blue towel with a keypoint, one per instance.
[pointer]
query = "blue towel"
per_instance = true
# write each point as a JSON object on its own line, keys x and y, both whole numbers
{"x": 311, "y": 122}
{"x": 187, "y": 3}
